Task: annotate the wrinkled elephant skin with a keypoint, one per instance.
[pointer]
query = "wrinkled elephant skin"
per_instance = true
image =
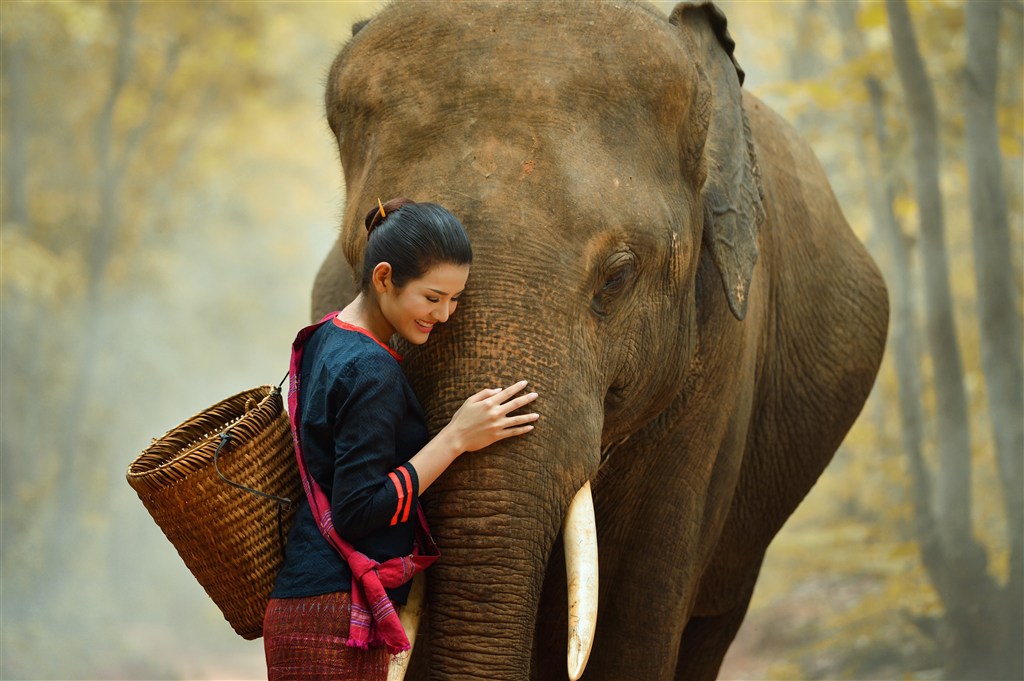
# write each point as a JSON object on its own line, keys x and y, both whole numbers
{"x": 663, "y": 258}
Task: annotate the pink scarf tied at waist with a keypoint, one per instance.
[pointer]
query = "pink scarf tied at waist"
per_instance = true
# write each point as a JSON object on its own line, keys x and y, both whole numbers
{"x": 374, "y": 619}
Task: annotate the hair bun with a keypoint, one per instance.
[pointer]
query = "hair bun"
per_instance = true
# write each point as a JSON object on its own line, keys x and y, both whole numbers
{"x": 382, "y": 211}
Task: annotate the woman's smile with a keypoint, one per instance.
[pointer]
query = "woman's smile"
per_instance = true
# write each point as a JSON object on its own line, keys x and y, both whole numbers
{"x": 417, "y": 307}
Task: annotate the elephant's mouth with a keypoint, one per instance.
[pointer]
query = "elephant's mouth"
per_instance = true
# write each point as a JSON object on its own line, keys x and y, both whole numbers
{"x": 579, "y": 535}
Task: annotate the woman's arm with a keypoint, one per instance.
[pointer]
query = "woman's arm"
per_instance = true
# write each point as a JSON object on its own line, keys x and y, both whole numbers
{"x": 368, "y": 494}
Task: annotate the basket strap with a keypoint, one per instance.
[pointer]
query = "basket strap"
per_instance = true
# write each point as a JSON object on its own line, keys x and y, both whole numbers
{"x": 283, "y": 503}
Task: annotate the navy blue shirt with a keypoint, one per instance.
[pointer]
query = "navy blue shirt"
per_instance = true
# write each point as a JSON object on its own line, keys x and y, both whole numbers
{"x": 360, "y": 424}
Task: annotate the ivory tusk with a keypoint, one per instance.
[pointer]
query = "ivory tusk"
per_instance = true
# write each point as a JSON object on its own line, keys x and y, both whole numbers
{"x": 579, "y": 533}
{"x": 410, "y": 616}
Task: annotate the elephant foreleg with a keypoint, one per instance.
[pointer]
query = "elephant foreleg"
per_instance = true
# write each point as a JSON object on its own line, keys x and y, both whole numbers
{"x": 706, "y": 640}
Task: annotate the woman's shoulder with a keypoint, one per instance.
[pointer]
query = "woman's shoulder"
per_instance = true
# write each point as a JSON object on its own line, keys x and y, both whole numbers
{"x": 355, "y": 353}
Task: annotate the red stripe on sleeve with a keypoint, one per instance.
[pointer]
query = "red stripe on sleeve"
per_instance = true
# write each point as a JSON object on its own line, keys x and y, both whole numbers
{"x": 408, "y": 500}
{"x": 401, "y": 496}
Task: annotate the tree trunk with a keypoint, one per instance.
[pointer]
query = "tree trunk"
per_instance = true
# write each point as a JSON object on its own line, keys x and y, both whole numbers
{"x": 21, "y": 417}
{"x": 998, "y": 302}
{"x": 967, "y": 592}
{"x": 78, "y": 489}
{"x": 904, "y": 338}
{"x": 76, "y": 492}
{"x": 1011, "y": 96}
{"x": 15, "y": 119}
{"x": 112, "y": 170}
{"x": 805, "y": 43}
{"x": 804, "y": 59}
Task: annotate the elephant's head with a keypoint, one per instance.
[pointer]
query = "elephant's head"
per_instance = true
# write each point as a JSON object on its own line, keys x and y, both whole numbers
{"x": 598, "y": 156}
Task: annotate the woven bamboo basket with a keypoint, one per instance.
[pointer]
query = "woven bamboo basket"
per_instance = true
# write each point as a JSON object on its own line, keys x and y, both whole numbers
{"x": 226, "y": 503}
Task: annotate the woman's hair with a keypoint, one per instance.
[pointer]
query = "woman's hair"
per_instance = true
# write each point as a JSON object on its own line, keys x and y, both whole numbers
{"x": 412, "y": 237}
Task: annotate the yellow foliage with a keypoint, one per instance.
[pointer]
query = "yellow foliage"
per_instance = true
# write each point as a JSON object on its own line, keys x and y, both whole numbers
{"x": 872, "y": 15}
{"x": 905, "y": 208}
{"x": 1011, "y": 130}
{"x": 825, "y": 96}
{"x": 786, "y": 670}
{"x": 86, "y": 21}
{"x": 1010, "y": 145}
{"x": 30, "y": 269}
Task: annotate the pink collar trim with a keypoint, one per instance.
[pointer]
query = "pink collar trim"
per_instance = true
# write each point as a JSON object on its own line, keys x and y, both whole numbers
{"x": 358, "y": 329}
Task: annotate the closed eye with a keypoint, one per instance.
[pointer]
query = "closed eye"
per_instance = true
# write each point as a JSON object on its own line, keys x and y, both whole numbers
{"x": 619, "y": 269}
{"x": 616, "y": 280}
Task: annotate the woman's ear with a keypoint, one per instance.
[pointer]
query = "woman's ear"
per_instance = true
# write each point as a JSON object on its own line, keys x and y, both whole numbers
{"x": 381, "y": 278}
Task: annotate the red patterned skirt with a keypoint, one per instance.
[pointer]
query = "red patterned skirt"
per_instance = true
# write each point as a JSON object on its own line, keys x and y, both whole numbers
{"x": 304, "y": 640}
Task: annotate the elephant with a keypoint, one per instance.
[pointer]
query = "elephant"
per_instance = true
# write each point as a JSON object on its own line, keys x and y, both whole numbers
{"x": 662, "y": 257}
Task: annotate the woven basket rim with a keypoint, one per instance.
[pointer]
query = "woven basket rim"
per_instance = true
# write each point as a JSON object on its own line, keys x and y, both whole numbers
{"x": 263, "y": 414}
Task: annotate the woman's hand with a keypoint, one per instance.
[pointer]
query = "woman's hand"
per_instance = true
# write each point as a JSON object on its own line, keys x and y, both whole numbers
{"x": 484, "y": 418}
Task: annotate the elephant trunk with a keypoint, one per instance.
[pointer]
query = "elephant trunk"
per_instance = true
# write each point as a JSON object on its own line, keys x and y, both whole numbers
{"x": 483, "y": 593}
{"x": 459, "y": 602}
{"x": 579, "y": 532}
{"x": 496, "y": 513}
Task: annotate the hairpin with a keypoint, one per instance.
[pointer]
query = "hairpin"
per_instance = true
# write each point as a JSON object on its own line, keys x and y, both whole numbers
{"x": 382, "y": 213}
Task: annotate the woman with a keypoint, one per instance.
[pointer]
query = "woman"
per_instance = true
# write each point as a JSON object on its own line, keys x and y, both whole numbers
{"x": 363, "y": 442}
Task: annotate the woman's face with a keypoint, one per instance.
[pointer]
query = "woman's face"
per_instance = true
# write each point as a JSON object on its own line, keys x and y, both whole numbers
{"x": 413, "y": 310}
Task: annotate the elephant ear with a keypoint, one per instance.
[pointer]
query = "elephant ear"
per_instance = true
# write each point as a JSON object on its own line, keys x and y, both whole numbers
{"x": 731, "y": 194}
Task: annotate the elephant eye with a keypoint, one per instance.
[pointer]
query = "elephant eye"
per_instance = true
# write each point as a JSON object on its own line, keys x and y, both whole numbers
{"x": 618, "y": 271}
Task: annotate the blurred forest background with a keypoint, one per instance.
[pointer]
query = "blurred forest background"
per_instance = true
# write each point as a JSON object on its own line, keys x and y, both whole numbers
{"x": 169, "y": 187}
